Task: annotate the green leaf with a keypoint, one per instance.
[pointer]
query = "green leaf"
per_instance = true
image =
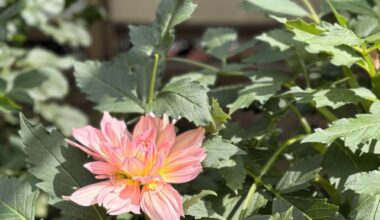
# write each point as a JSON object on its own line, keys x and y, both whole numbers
{"x": 144, "y": 38}
{"x": 54, "y": 86}
{"x": 276, "y": 7}
{"x": 277, "y": 38}
{"x": 204, "y": 78}
{"x": 169, "y": 14}
{"x": 110, "y": 85}
{"x": 220, "y": 118}
{"x": 299, "y": 175}
{"x": 37, "y": 12}
{"x": 365, "y": 25}
{"x": 29, "y": 79}
{"x": 219, "y": 153}
{"x": 72, "y": 33}
{"x": 59, "y": 167}
{"x": 235, "y": 175}
{"x": 202, "y": 209}
{"x": 183, "y": 98}
{"x": 277, "y": 216}
{"x": 218, "y": 42}
{"x": 265, "y": 85}
{"x": 63, "y": 116}
{"x": 191, "y": 200}
{"x": 365, "y": 206}
{"x": 334, "y": 98}
{"x": 307, "y": 208}
{"x": 17, "y": 199}
{"x": 339, "y": 163}
{"x": 355, "y": 6}
{"x": 352, "y": 131}
{"x": 364, "y": 183}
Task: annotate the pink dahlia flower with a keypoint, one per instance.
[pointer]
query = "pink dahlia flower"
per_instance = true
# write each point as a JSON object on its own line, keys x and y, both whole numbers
{"x": 137, "y": 169}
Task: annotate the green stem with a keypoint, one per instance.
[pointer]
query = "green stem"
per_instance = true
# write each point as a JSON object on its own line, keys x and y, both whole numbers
{"x": 259, "y": 181}
{"x": 305, "y": 125}
{"x": 304, "y": 69}
{"x": 264, "y": 171}
{"x": 314, "y": 15}
{"x": 327, "y": 114}
{"x": 153, "y": 77}
{"x": 205, "y": 66}
{"x": 353, "y": 83}
{"x": 247, "y": 200}
{"x": 194, "y": 63}
{"x": 330, "y": 189}
{"x": 268, "y": 165}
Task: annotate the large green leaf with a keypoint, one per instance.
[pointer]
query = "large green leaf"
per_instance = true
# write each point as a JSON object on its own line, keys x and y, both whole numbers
{"x": 366, "y": 204}
{"x": 276, "y": 7}
{"x": 196, "y": 207}
{"x": 307, "y": 208}
{"x": 334, "y": 98}
{"x": 110, "y": 85}
{"x": 235, "y": 175}
{"x": 277, "y": 38}
{"x": 183, "y": 98}
{"x": 277, "y": 216}
{"x": 352, "y": 131}
{"x": 169, "y": 14}
{"x": 219, "y": 153}
{"x": 299, "y": 175}
{"x": 17, "y": 199}
{"x": 59, "y": 167}
{"x": 265, "y": 85}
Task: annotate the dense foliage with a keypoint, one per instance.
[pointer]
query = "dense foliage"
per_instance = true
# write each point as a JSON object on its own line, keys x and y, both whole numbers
{"x": 320, "y": 69}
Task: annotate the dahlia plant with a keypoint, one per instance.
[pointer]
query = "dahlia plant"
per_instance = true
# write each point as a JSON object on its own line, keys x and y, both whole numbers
{"x": 283, "y": 125}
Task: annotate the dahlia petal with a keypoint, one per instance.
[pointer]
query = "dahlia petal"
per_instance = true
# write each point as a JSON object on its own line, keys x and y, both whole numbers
{"x": 182, "y": 170}
{"x": 166, "y": 138}
{"x": 82, "y": 134}
{"x": 121, "y": 199}
{"x": 145, "y": 123}
{"x": 187, "y": 142}
{"x": 100, "y": 168}
{"x": 162, "y": 203}
{"x": 88, "y": 195}
{"x": 113, "y": 129}
{"x": 133, "y": 166}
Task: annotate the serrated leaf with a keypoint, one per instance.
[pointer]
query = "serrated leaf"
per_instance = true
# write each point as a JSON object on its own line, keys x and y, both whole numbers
{"x": 365, "y": 206}
{"x": 334, "y": 98}
{"x": 204, "y": 78}
{"x": 365, "y": 25}
{"x": 37, "y": 12}
{"x": 277, "y": 216}
{"x": 355, "y": 6}
{"x": 307, "y": 208}
{"x": 17, "y": 199}
{"x": 219, "y": 153}
{"x": 299, "y": 175}
{"x": 352, "y": 131}
{"x": 191, "y": 200}
{"x": 183, "y": 98}
{"x": 169, "y": 14}
{"x": 220, "y": 118}
{"x": 276, "y": 7}
{"x": 366, "y": 183}
{"x": 110, "y": 85}
{"x": 144, "y": 38}
{"x": 235, "y": 175}
{"x": 277, "y": 38}
{"x": 218, "y": 42}
{"x": 265, "y": 84}
{"x": 59, "y": 167}
{"x": 202, "y": 209}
